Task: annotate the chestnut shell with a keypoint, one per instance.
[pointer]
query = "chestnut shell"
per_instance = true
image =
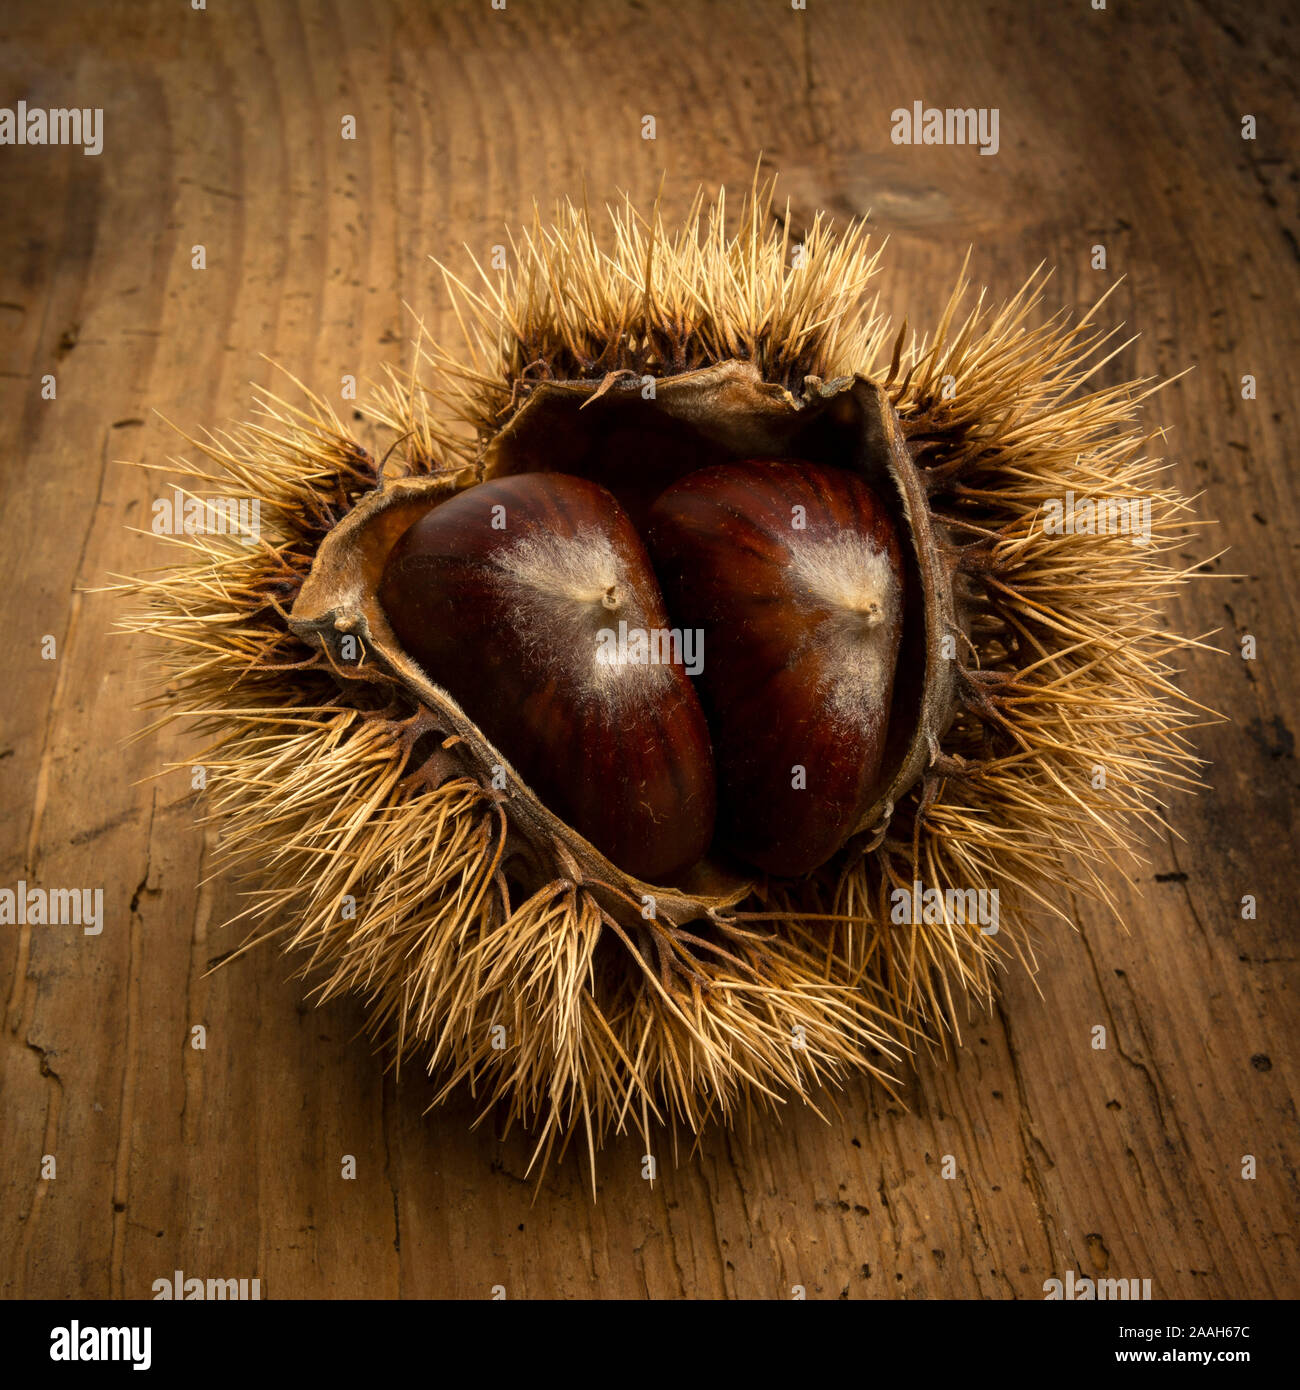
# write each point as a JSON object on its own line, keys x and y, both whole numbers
{"x": 734, "y": 414}
{"x": 794, "y": 574}
{"x": 502, "y": 594}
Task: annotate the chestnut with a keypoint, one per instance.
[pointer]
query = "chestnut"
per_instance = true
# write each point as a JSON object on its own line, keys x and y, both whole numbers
{"x": 513, "y": 595}
{"x": 794, "y": 572}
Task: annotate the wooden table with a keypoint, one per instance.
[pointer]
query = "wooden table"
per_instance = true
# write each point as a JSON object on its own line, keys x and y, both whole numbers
{"x": 222, "y": 128}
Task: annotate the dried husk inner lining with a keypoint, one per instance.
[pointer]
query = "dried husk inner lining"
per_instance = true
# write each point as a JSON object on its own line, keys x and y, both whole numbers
{"x": 698, "y": 418}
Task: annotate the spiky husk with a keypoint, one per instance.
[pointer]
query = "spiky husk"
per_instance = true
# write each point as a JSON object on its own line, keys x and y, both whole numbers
{"x": 322, "y": 784}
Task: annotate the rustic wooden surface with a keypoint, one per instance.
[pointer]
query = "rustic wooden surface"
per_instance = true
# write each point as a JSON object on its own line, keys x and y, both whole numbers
{"x": 223, "y": 128}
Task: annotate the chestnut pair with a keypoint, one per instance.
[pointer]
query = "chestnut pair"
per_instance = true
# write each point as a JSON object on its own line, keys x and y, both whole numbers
{"x": 563, "y": 633}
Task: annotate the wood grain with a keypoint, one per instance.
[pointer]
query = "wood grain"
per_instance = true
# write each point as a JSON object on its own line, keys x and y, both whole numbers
{"x": 222, "y": 128}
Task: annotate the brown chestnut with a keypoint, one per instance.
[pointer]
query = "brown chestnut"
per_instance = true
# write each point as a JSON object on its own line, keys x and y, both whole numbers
{"x": 793, "y": 570}
{"x": 517, "y": 597}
